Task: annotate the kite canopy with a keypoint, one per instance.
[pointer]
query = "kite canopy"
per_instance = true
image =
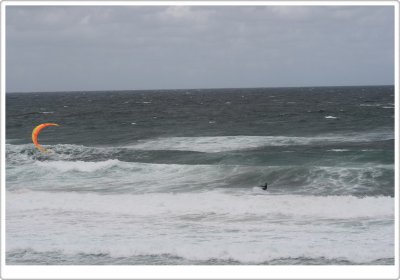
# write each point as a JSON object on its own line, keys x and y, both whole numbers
{"x": 35, "y": 134}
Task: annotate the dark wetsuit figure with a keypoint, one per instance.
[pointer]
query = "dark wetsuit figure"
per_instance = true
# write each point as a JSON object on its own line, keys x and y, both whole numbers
{"x": 265, "y": 186}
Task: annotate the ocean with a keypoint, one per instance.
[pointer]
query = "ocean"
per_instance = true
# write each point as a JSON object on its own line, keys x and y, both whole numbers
{"x": 172, "y": 177}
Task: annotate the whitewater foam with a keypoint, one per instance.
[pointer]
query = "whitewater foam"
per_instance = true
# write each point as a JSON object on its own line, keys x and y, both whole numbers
{"x": 217, "y": 202}
{"x": 82, "y": 166}
{"x": 230, "y": 143}
{"x": 202, "y": 226}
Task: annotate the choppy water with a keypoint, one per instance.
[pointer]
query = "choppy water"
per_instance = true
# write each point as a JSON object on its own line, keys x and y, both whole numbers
{"x": 172, "y": 177}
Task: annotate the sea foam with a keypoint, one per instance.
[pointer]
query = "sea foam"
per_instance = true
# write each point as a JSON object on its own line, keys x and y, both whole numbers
{"x": 230, "y": 143}
{"x": 202, "y": 226}
{"x": 215, "y": 202}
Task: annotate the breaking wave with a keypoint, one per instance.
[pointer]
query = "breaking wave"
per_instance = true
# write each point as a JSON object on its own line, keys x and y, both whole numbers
{"x": 229, "y": 143}
{"x": 204, "y": 225}
{"x": 80, "y": 168}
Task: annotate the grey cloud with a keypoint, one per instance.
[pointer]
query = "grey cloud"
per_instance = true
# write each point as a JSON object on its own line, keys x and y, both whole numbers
{"x": 150, "y": 47}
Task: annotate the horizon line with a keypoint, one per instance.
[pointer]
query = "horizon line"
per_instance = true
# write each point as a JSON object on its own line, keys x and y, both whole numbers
{"x": 176, "y": 89}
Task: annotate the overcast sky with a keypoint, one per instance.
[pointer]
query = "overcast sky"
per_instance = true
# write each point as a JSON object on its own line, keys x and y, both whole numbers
{"x": 72, "y": 48}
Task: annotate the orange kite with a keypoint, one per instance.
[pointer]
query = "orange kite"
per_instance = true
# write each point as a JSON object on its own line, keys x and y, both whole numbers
{"x": 35, "y": 134}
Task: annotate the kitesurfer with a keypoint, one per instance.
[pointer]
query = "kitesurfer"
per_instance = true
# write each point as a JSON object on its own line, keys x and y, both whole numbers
{"x": 265, "y": 186}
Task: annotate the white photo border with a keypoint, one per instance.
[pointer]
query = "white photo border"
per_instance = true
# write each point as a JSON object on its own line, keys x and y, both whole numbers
{"x": 199, "y": 271}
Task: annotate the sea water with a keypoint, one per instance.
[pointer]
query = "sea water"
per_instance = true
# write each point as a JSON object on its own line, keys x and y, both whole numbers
{"x": 173, "y": 177}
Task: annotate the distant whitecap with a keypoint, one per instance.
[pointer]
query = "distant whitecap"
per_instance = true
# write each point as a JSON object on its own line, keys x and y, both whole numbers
{"x": 338, "y": 150}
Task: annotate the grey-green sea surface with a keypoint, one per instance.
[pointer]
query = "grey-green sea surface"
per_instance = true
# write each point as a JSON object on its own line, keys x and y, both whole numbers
{"x": 172, "y": 177}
